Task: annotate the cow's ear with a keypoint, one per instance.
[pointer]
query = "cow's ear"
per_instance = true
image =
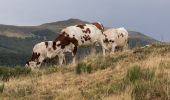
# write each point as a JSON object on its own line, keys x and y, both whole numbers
{"x": 54, "y": 45}
{"x": 27, "y": 64}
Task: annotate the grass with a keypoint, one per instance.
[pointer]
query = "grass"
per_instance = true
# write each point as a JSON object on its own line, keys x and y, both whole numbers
{"x": 1, "y": 87}
{"x": 138, "y": 74}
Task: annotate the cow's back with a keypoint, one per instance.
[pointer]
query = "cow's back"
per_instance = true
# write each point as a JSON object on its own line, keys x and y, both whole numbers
{"x": 86, "y": 34}
{"x": 119, "y": 35}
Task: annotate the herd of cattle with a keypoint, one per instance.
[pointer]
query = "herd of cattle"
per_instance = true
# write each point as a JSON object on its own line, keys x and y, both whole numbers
{"x": 73, "y": 37}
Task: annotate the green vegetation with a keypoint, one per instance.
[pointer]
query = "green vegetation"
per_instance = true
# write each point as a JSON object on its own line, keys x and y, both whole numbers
{"x": 83, "y": 68}
{"x": 6, "y": 72}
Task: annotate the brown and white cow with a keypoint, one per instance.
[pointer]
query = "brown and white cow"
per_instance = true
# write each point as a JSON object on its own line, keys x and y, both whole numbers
{"x": 40, "y": 54}
{"x": 116, "y": 39}
{"x": 76, "y": 36}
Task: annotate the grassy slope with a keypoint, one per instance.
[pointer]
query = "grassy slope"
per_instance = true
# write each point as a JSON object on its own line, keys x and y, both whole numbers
{"x": 141, "y": 74}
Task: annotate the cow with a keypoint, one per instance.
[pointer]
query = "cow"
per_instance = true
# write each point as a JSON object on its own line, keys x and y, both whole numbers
{"x": 73, "y": 37}
{"x": 116, "y": 39}
{"x": 40, "y": 54}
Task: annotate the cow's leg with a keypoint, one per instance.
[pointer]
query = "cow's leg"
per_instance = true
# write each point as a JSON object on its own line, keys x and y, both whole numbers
{"x": 40, "y": 59}
{"x": 125, "y": 47}
{"x": 64, "y": 60}
{"x": 74, "y": 54}
{"x": 113, "y": 47}
{"x": 104, "y": 51}
{"x": 103, "y": 47}
{"x": 93, "y": 49}
{"x": 61, "y": 58}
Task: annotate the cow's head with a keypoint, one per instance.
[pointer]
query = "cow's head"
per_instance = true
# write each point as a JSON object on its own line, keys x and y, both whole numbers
{"x": 33, "y": 63}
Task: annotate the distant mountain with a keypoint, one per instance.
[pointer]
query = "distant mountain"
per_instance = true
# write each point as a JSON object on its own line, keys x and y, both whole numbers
{"x": 16, "y": 42}
{"x": 64, "y": 23}
{"x": 139, "y": 39}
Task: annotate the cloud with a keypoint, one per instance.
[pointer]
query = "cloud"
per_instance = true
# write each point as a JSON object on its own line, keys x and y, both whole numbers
{"x": 148, "y": 16}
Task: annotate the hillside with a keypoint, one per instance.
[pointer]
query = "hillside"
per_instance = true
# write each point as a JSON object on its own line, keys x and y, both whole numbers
{"x": 137, "y": 74}
{"x": 16, "y": 42}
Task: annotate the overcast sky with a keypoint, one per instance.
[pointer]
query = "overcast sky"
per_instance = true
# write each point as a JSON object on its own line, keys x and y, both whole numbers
{"x": 151, "y": 17}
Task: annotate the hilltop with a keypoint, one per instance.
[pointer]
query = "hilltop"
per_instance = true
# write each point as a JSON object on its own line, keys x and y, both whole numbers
{"x": 137, "y": 74}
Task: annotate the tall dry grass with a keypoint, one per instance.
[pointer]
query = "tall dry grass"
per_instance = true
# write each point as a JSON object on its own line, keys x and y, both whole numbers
{"x": 138, "y": 74}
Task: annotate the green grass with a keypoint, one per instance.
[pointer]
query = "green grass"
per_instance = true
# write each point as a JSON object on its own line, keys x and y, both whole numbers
{"x": 135, "y": 73}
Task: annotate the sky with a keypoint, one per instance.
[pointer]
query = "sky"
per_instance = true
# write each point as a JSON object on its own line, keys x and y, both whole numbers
{"x": 151, "y": 17}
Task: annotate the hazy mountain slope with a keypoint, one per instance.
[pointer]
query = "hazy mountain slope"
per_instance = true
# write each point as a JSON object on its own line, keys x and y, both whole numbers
{"x": 139, "y": 39}
{"x": 20, "y": 39}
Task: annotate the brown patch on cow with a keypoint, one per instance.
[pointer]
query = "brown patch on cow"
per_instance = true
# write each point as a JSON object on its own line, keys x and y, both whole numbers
{"x": 66, "y": 40}
{"x": 46, "y": 44}
{"x": 99, "y": 26}
{"x": 87, "y": 31}
{"x": 86, "y": 37}
{"x": 38, "y": 63}
{"x": 82, "y": 41}
{"x": 105, "y": 35}
{"x": 106, "y": 40}
{"x": 35, "y": 56}
{"x": 122, "y": 35}
{"x": 81, "y": 26}
{"x": 112, "y": 41}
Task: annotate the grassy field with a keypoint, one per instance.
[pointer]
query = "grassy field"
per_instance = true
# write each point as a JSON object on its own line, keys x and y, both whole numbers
{"x": 138, "y": 74}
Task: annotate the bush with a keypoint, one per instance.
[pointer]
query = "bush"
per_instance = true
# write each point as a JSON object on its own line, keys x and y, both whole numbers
{"x": 82, "y": 67}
